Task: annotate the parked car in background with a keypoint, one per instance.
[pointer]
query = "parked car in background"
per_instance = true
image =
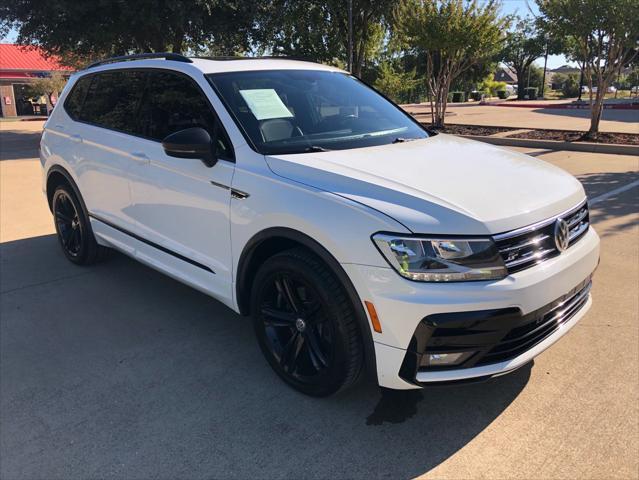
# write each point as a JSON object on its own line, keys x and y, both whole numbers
{"x": 290, "y": 191}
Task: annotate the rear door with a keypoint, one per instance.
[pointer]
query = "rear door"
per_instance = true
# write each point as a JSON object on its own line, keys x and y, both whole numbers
{"x": 107, "y": 145}
{"x": 180, "y": 205}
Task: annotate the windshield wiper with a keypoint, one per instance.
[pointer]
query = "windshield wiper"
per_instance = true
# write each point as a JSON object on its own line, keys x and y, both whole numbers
{"x": 402, "y": 140}
{"x": 315, "y": 148}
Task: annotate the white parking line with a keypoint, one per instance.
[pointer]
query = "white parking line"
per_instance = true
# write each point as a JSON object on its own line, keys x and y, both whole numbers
{"x": 611, "y": 193}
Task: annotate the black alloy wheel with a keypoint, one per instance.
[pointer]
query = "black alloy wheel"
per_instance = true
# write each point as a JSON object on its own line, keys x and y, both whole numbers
{"x": 305, "y": 325}
{"x": 74, "y": 229}
{"x": 67, "y": 223}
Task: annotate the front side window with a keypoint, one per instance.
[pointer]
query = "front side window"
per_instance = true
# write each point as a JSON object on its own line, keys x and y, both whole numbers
{"x": 173, "y": 102}
{"x": 295, "y": 111}
{"x": 112, "y": 100}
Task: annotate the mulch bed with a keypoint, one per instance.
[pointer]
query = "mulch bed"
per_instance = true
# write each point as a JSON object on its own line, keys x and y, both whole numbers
{"x": 541, "y": 134}
{"x": 564, "y": 136}
{"x": 471, "y": 130}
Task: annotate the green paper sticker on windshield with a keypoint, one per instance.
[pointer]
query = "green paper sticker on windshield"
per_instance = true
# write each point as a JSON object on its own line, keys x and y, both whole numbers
{"x": 265, "y": 103}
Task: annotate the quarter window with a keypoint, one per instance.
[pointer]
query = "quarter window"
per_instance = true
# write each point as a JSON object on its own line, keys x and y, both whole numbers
{"x": 73, "y": 103}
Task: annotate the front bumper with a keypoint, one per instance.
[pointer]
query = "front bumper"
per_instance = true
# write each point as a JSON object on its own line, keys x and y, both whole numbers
{"x": 403, "y": 305}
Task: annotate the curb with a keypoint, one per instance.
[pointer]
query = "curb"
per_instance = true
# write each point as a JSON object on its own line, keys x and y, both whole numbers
{"x": 564, "y": 106}
{"x": 558, "y": 145}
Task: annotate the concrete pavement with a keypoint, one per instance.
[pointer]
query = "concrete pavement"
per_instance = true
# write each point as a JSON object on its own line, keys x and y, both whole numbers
{"x": 116, "y": 371}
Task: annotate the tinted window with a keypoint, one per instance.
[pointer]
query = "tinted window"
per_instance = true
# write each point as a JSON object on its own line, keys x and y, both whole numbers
{"x": 113, "y": 99}
{"x": 293, "y": 111}
{"x": 173, "y": 102}
{"x": 73, "y": 103}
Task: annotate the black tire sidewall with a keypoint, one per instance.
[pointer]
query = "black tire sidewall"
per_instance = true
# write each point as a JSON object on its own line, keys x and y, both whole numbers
{"x": 85, "y": 228}
{"x": 337, "y": 373}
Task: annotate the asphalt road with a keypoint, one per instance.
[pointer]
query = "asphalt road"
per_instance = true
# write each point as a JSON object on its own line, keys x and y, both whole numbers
{"x": 116, "y": 371}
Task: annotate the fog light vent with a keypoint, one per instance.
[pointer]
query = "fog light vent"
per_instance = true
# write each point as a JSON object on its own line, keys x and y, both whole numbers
{"x": 444, "y": 359}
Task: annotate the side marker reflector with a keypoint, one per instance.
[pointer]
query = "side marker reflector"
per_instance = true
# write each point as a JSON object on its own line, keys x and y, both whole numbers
{"x": 372, "y": 313}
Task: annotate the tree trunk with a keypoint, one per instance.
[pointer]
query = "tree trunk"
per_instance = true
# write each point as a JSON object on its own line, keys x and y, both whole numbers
{"x": 596, "y": 109}
{"x": 521, "y": 73}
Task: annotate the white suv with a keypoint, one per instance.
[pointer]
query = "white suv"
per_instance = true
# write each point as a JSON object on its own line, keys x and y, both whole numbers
{"x": 355, "y": 238}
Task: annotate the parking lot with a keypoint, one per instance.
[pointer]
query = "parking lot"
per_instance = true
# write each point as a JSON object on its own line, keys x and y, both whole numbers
{"x": 116, "y": 371}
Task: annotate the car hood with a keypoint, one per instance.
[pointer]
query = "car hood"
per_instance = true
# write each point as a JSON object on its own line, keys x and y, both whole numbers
{"x": 440, "y": 185}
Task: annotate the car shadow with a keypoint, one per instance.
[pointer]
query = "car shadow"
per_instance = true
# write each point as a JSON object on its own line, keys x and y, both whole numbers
{"x": 18, "y": 145}
{"x": 621, "y": 207}
{"x": 118, "y": 370}
{"x": 613, "y": 115}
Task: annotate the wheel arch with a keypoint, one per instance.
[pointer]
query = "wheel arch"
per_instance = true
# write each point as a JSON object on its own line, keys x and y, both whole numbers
{"x": 277, "y": 239}
{"x": 58, "y": 175}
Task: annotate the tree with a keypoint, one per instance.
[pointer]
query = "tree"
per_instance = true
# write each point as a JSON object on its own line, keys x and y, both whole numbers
{"x": 452, "y": 35}
{"x": 83, "y": 30}
{"x": 523, "y": 45}
{"x": 49, "y": 87}
{"x": 395, "y": 84}
{"x": 604, "y": 37}
{"x": 318, "y": 30}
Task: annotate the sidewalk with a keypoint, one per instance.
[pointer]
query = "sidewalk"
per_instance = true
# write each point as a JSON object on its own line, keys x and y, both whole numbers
{"x": 622, "y": 121}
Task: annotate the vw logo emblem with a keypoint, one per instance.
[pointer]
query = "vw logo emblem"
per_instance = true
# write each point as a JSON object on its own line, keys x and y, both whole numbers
{"x": 562, "y": 234}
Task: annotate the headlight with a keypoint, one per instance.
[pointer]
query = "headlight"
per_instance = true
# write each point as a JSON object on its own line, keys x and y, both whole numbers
{"x": 442, "y": 259}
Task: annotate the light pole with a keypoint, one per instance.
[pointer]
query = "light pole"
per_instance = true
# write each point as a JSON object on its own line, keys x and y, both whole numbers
{"x": 543, "y": 82}
{"x": 350, "y": 36}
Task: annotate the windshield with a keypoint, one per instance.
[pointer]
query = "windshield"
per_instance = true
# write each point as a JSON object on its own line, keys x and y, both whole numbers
{"x": 296, "y": 111}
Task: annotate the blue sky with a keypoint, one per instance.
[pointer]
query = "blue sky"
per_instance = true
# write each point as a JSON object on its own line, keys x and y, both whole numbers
{"x": 520, "y": 7}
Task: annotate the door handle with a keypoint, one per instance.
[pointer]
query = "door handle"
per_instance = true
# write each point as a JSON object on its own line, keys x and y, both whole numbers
{"x": 76, "y": 138}
{"x": 140, "y": 157}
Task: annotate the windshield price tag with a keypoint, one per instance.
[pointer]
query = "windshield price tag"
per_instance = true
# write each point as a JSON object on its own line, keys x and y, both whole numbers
{"x": 265, "y": 104}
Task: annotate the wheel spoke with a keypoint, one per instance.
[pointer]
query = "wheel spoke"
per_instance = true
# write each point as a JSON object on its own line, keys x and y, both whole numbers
{"x": 284, "y": 289}
{"x": 75, "y": 240}
{"x": 61, "y": 216}
{"x": 66, "y": 237}
{"x": 290, "y": 352}
{"x": 278, "y": 318}
{"x": 314, "y": 350}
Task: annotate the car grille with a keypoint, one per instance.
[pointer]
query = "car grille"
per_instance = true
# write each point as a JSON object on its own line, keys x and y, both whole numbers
{"x": 526, "y": 336}
{"x": 528, "y": 246}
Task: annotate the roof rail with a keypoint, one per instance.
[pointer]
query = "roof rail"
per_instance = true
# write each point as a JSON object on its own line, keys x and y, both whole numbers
{"x": 140, "y": 56}
{"x": 264, "y": 57}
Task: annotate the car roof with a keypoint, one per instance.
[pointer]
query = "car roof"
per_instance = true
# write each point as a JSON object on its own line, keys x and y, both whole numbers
{"x": 210, "y": 65}
{"x": 257, "y": 63}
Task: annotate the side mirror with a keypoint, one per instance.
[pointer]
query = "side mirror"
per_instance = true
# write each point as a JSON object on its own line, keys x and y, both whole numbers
{"x": 194, "y": 142}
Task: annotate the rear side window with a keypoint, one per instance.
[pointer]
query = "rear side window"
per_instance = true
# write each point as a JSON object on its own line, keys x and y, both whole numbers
{"x": 112, "y": 100}
{"x": 73, "y": 103}
{"x": 173, "y": 102}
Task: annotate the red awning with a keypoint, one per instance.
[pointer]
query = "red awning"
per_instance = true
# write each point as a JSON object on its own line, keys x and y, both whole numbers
{"x": 27, "y": 59}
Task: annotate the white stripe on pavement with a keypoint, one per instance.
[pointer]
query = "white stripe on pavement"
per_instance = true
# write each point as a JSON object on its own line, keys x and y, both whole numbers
{"x": 611, "y": 193}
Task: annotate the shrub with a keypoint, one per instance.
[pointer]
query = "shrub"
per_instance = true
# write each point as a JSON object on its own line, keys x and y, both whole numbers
{"x": 570, "y": 88}
{"x": 491, "y": 87}
{"x": 459, "y": 97}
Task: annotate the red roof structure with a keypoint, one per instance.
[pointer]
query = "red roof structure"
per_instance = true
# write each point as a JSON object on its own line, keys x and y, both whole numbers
{"x": 27, "y": 59}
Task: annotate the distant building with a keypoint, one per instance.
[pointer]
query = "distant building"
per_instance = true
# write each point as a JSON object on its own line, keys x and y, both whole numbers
{"x": 20, "y": 66}
{"x": 565, "y": 69}
{"x": 505, "y": 74}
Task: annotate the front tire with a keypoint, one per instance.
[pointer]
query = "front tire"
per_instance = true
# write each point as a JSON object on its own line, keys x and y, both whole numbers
{"x": 74, "y": 229}
{"x": 305, "y": 324}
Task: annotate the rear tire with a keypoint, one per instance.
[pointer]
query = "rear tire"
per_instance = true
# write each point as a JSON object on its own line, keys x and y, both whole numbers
{"x": 305, "y": 324}
{"x": 73, "y": 228}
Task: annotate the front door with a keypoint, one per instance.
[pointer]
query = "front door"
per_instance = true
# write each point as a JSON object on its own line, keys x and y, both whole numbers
{"x": 181, "y": 206}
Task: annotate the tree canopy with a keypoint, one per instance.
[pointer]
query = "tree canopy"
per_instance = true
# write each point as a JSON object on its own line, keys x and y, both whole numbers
{"x": 602, "y": 35}
{"x": 76, "y": 29}
{"x": 523, "y": 45}
{"x": 452, "y": 36}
